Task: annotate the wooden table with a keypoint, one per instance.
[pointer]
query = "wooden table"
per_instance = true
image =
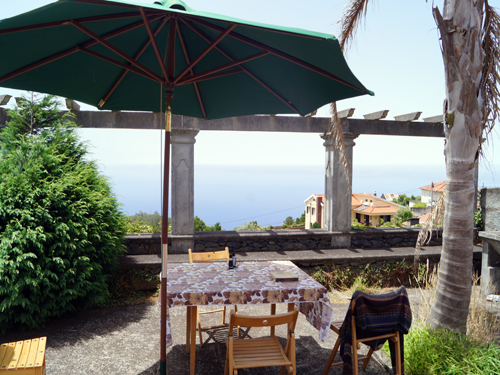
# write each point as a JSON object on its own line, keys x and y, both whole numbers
{"x": 198, "y": 284}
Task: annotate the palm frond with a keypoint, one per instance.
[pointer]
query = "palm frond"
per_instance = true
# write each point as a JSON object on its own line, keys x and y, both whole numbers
{"x": 425, "y": 234}
{"x": 351, "y": 18}
{"x": 491, "y": 70}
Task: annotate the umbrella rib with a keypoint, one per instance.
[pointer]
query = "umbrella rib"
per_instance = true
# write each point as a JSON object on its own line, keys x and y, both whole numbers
{"x": 213, "y": 44}
{"x": 186, "y": 56}
{"x": 196, "y": 77}
{"x": 38, "y": 64}
{"x": 171, "y": 50}
{"x": 153, "y": 41}
{"x": 122, "y": 65}
{"x": 47, "y": 25}
{"x": 216, "y": 75}
{"x": 101, "y": 40}
{"x": 201, "y": 34}
{"x": 141, "y": 51}
{"x": 278, "y": 53}
{"x": 71, "y": 51}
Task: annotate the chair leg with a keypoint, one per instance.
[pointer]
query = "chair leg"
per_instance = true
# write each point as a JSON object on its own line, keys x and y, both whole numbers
{"x": 224, "y": 315}
{"x": 273, "y": 312}
{"x": 188, "y": 329}
{"x": 398, "y": 354}
{"x": 367, "y": 359}
{"x": 199, "y": 327}
{"x": 226, "y": 366}
{"x": 238, "y": 328}
{"x": 354, "y": 348}
{"x": 332, "y": 356}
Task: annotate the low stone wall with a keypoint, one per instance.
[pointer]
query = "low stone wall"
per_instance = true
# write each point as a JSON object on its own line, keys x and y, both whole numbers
{"x": 281, "y": 240}
{"x": 401, "y": 237}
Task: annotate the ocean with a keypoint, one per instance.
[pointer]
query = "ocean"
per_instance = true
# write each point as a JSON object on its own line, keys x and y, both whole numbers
{"x": 232, "y": 194}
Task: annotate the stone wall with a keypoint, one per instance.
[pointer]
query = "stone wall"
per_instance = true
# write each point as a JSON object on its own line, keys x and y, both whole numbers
{"x": 282, "y": 240}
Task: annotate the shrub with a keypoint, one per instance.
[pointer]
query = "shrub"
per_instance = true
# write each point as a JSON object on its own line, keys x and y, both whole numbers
{"x": 253, "y": 225}
{"x": 419, "y": 204}
{"x": 402, "y": 215}
{"x": 61, "y": 229}
{"x": 316, "y": 226}
{"x": 200, "y": 226}
{"x": 139, "y": 226}
{"x": 357, "y": 225}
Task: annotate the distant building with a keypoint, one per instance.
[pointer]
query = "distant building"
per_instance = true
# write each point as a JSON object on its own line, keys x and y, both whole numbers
{"x": 389, "y": 197}
{"x": 314, "y": 210}
{"x": 432, "y": 193}
{"x": 366, "y": 208}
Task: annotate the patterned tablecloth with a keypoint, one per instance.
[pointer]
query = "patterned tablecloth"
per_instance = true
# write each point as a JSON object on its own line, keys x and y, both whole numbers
{"x": 203, "y": 283}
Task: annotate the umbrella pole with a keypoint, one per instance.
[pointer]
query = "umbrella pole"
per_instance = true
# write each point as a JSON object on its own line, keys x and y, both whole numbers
{"x": 164, "y": 242}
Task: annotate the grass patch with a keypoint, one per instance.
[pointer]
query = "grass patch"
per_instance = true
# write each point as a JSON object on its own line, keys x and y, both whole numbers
{"x": 447, "y": 352}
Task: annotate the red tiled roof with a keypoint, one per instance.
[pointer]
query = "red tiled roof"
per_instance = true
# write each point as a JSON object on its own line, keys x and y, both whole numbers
{"x": 380, "y": 210}
{"x": 438, "y": 186}
{"x": 355, "y": 201}
{"x": 422, "y": 219}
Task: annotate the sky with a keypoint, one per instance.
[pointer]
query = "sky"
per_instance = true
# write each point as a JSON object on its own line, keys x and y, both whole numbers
{"x": 267, "y": 176}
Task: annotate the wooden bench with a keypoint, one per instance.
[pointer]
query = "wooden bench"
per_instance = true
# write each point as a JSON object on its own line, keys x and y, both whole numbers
{"x": 23, "y": 357}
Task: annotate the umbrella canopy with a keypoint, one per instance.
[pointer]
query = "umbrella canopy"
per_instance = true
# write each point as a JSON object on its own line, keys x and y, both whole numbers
{"x": 121, "y": 55}
{"x": 115, "y": 55}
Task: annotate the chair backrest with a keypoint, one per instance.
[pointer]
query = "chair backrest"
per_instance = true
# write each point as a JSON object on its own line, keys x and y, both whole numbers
{"x": 264, "y": 320}
{"x": 382, "y": 312}
{"x": 209, "y": 256}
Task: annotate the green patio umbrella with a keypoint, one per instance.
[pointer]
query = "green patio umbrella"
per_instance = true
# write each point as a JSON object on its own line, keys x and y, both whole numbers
{"x": 123, "y": 55}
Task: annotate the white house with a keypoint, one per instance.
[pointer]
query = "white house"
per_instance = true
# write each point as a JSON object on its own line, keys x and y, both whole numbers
{"x": 314, "y": 210}
{"x": 432, "y": 193}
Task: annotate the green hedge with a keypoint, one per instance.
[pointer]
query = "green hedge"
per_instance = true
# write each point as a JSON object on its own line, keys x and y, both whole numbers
{"x": 61, "y": 227}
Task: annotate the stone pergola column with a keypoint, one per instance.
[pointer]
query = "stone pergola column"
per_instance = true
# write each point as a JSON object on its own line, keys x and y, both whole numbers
{"x": 338, "y": 190}
{"x": 182, "y": 169}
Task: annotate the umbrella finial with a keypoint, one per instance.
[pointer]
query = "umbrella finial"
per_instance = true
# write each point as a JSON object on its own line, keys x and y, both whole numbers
{"x": 173, "y": 4}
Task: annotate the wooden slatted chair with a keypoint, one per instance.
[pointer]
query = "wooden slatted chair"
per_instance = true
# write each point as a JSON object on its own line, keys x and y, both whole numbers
{"x": 264, "y": 351}
{"x": 390, "y": 319}
{"x": 208, "y": 257}
{"x": 23, "y": 357}
{"x": 335, "y": 326}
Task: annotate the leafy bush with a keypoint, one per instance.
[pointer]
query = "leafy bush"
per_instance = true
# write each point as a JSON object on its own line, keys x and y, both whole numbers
{"x": 139, "y": 226}
{"x": 253, "y": 225}
{"x": 316, "y": 226}
{"x": 388, "y": 224}
{"x": 357, "y": 225}
{"x": 402, "y": 215}
{"x": 200, "y": 226}
{"x": 419, "y": 204}
{"x": 61, "y": 229}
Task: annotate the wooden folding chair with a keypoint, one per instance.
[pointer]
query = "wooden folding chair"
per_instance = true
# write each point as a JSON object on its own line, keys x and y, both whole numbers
{"x": 264, "y": 351}
{"x": 336, "y": 327}
{"x": 208, "y": 257}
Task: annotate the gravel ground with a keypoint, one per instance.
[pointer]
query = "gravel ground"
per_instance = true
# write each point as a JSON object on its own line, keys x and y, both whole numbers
{"x": 126, "y": 340}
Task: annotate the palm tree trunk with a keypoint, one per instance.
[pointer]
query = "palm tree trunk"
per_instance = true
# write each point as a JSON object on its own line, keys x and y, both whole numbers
{"x": 460, "y": 27}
